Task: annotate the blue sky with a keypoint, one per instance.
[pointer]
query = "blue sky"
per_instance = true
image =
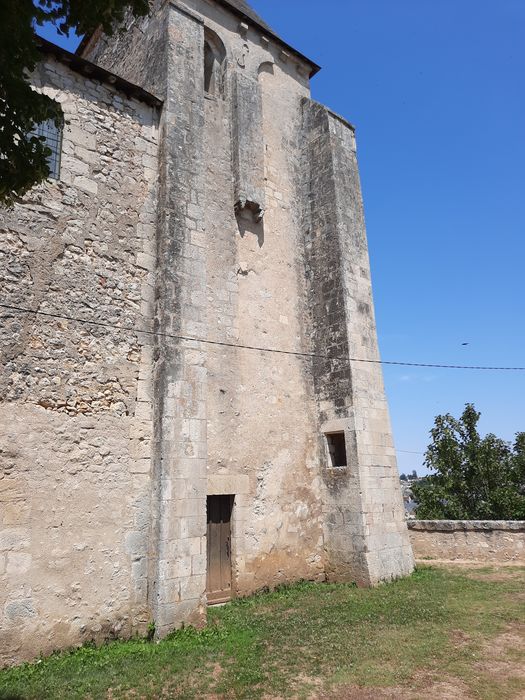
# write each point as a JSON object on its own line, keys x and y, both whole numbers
{"x": 436, "y": 92}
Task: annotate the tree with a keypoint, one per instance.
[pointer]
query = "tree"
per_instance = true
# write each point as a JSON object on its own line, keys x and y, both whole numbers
{"x": 474, "y": 478}
{"x": 23, "y": 156}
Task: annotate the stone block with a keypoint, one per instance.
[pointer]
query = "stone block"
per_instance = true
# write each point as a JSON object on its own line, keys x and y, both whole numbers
{"x": 140, "y": 466}
{"x": 193, "y": 587}
{"x": 18, "y": 563}
{"x": 17, "y": 611}
{"x": 14, "y": 539}
{"x": 80, "y": 137}
{"x": 86, "y": 184}
{"x": 194, "y": 526}
{"x": 198, "y": 564}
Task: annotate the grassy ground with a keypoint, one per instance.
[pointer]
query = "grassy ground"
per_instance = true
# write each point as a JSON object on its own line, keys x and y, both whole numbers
{"x": 438, "y": 634}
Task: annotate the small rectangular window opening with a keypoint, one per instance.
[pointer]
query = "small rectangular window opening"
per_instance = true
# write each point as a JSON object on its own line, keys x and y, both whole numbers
{"x": 53, "y": 140}
{"x": 337, "y": 449}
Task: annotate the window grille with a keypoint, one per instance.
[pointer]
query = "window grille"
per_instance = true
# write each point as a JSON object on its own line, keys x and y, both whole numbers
{"x": 53, "y": 140}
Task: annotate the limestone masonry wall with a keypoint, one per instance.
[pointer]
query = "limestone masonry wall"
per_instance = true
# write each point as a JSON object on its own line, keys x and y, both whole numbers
{"x": 491, "y": 541}
{"x": 230, "y": 226}
{"x": 74, "y": 398}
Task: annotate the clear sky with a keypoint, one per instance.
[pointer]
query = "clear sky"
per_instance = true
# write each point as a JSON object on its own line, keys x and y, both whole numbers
{"x": 436, "y": 91}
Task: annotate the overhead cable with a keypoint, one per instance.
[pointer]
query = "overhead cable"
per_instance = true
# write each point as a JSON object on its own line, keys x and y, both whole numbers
{"x": 207, "y": 341}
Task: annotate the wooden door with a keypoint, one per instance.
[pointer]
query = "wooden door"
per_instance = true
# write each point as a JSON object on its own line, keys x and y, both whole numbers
{"x": 219, "y": 572}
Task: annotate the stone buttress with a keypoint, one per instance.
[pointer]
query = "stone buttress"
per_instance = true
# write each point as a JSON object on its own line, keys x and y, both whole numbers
{"x": 365, "y": 530}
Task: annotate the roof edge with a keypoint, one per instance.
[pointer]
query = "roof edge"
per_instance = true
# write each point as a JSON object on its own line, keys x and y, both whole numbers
{"x": 93, "y": 71}
{"x": 86, "y": 38}
{"x": 314, "y": 67}
{"x": 341, "y": 119}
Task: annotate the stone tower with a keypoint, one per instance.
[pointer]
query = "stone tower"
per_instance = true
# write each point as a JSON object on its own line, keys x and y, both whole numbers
{"x": 262, "y": 242}
{"x": 255, "y": 446}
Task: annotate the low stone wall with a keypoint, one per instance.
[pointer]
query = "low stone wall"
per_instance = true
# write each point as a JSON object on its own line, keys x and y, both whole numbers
{"x": 493, "y": 541}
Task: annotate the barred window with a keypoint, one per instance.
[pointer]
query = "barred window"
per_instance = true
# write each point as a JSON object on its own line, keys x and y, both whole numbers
{"x": 53, "y": 140}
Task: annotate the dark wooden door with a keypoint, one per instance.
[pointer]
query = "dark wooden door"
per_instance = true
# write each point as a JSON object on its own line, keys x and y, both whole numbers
{"x": 219, "y": 578}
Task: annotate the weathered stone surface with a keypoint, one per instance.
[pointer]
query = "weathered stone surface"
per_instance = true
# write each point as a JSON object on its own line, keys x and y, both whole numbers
{"x": 365, "y": 532}
{"x": 248, "y": 146}
{"x": 179, "y": 388}
{"x": 70, "y": 501}
{"x": 112, "y": 438}
{"x": 491, "y": 541}
{"x": 138, "y": 54}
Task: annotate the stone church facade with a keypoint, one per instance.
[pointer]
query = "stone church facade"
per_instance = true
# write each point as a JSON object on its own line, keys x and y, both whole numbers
{"x": 183, "y": 416}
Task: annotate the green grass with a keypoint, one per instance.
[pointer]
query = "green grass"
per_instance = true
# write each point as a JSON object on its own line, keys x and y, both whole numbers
{"x": 302, "y": 640}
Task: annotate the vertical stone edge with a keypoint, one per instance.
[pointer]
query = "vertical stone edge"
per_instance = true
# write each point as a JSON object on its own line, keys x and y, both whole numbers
{"x": 388, "y": 550}
{"x": 177, "y": 572}
{"x": 141, "y": 426}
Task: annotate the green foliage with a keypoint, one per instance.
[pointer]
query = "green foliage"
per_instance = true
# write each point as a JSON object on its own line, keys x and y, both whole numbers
{"x": 22, "y": 156}
{"x": 150, "y": 633}
{"x": 300, "y": 641}
{"x": 473, "y": 478}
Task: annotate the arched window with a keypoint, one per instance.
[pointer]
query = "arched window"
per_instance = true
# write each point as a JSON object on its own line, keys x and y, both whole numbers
{"x": 214, "y": 63}
{"x": 209, "y": 69}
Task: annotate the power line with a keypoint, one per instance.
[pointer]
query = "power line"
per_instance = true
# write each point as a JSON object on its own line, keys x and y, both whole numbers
{"x": 206, "y": 341}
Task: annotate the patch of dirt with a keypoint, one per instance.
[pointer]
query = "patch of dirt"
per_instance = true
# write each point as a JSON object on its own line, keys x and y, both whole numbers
{"x": 504, "y": 656}
{"x": 452, "y": 689}
{"x": 300, "y": 681}
{"x": 217, "y": 671}
{"x": 513, "y": 568}
{"x": 497, "y": 664}
{"x": 497, "y": 576}
{"x": 449, "y": 689}
{"x": 354, "y": 692}
{"x": 459, "y": 639}
{"x": 513, "y": 639}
